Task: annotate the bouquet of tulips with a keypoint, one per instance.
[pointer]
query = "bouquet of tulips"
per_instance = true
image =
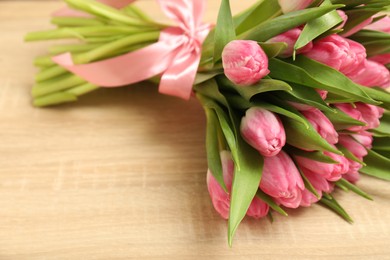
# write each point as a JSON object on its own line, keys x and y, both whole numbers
{"x": 294, "y": 91}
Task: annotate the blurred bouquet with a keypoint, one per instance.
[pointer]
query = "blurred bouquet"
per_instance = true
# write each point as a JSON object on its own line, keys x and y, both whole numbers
{"x": 294, "y": 90}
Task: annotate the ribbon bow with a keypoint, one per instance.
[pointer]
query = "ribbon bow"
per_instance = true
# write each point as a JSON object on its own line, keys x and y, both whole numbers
{"x": 176, "y": 55}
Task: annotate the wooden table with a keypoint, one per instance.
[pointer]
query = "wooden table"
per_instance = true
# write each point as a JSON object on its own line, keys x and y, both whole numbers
{"x": 121, "y": 175}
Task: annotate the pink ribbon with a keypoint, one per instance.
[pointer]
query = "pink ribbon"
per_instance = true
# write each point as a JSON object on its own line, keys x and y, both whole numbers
{"x": 176, "y": 55}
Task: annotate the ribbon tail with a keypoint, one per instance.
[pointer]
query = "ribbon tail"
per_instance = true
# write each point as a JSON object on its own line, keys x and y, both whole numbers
{"x": 125, "y": 69}
{"x": 179, "y": 78}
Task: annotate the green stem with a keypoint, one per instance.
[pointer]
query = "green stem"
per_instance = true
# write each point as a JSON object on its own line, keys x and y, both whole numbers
{"x": 75, "y": 21}
{"x": 54, "y": 99}
{"x": 82, "y": 89}
{"x": 50, "y": 72}
{"x": 44, "y": 61}
{"x": 73, "y": 48}
{"x": 102, "y": 10}
{"x": 111, "y": 47}
{"x": 56, "y": 84}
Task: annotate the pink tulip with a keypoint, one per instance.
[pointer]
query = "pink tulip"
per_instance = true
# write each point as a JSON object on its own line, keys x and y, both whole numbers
{"x": 282, "y": 181}
{"x": 258, "y": 208}
{"x": 336, "y": 52}
{"x": 344, "y": 17}
{"x": 219, "y": 198}
{"x": 244, "y": 62}
{"x": 263, "y": 130}
{"x": 331, "y": 172}
{"x": 381, "y": 58}
{"x": 353, "y": 174}
{"x": 372, "y": 74}
{"x": 357, "y": 27}
{"x": 319, "y": 183}
{"x": 293, "y": 5}
{"x": 365, "y": 138}
{"x": 322, "y": 125}
{"x": 290, "y": 38}
{"x": 353, "y": 146}
{"x": 371, "y": 114}
{"x": 382, "y": 25}
{"x": 354, "y": 113}
{"x": 359, "y": 55}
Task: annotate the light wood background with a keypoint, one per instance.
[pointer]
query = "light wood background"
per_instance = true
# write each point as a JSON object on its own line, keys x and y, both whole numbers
{"x": 121, "y": 175}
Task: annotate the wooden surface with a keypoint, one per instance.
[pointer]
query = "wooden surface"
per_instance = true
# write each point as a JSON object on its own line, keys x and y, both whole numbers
{"x": 121, "y": 175}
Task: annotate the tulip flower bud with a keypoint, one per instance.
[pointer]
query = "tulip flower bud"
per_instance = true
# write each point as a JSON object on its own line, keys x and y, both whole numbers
{"x": 219, "y": 198}
{"x": 372, "y": 74}
{"x": 330, "y": 171}
{"x": 371, "y": 114}
{"x": 365, "y": 138}
{"x": 258, "y": 208}
{"x": 354, "y": 113}
{"x": 357, "y": 27}
{"x": 353, "y": 174}
{"x": 293, "y": 5}
{"x": 353, "y": 146}
{"x": 244, "y": 62}
{"x": 282, "y": 181}
{"x": 344, "y": 17}
{"x": 336, "y": 52}
{"x": 290, "y": 38}
{"x": 322, "y": 125}
{"x": 382, "y": 25}
{"x": 383, "y": 59}
{"x": 263, "y": 130}
{"x": 319, "y": 183}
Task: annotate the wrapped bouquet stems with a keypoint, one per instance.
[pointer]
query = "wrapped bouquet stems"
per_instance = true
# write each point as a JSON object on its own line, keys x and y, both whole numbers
{"x": 294, "y": 91}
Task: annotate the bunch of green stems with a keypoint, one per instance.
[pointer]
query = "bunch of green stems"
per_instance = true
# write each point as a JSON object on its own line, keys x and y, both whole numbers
{"x": 106, "y": 32}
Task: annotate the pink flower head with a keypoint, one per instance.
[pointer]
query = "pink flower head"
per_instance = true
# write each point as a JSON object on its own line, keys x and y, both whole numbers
{"x": 381, "y": 58}
{"x": 352, "y": 112}
{"x": 357, "y": 27}
{"x": 263, "y": 130}
{"x": 359, "y": 54}
{"x": 322, "y": 125}
{"x": 353, "y": 146}
{"x": 365, "y": 138}
{"x": 219, "y": 198}
{"x": 282, "y": 181}
{"x": 372, "y": 74}
{"x": 290, "y": 38}
{"x": 383, "y": 25}
{"x": 258, "y": 208}
{"x": 319, "y": 183}
{"x": 371, "y": 114}
{"x": 244, "y": 62}
{"x": 353, "y": 174}
{"x": 331, "y": 172}
{"x": 293, "y": 5}
{"x": 344, "y": 17}
{"x": 336, "y": 52}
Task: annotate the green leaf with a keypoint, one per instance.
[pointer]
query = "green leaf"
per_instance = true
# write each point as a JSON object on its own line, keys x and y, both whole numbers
{"x": 384, "y": 127}
{"x": 357, "y": 16}
{"x": 316, "y": 155}
{"x": 212, "y": 147}
{"x": 307, "y": 72}
{"x": 273, "y": 49}
{"x": 245, "y": 182}
{"x": 377, "y": 166}
{"x": 341, "y": 121}
{"x": 224, "y": 30}
{"x": 316, "y": 27}
{"x": 305, "y": 95}
{"x": 332, "y": 204}
{"x": 264, "y": 10}
{"x": 248, "y": 92}
{"x": 282, "y": 111}
{"x": 354, "y": 188}
{"x": 307, "y": 183}
{"x": 205, "y": 76}
{"x": 382, "y": 144}
{"x": 280, "y": 24}
{"x": 267, "y": 199}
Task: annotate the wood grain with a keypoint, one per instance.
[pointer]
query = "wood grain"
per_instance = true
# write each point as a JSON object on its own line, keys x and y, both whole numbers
{"x": 121, "y": 175}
